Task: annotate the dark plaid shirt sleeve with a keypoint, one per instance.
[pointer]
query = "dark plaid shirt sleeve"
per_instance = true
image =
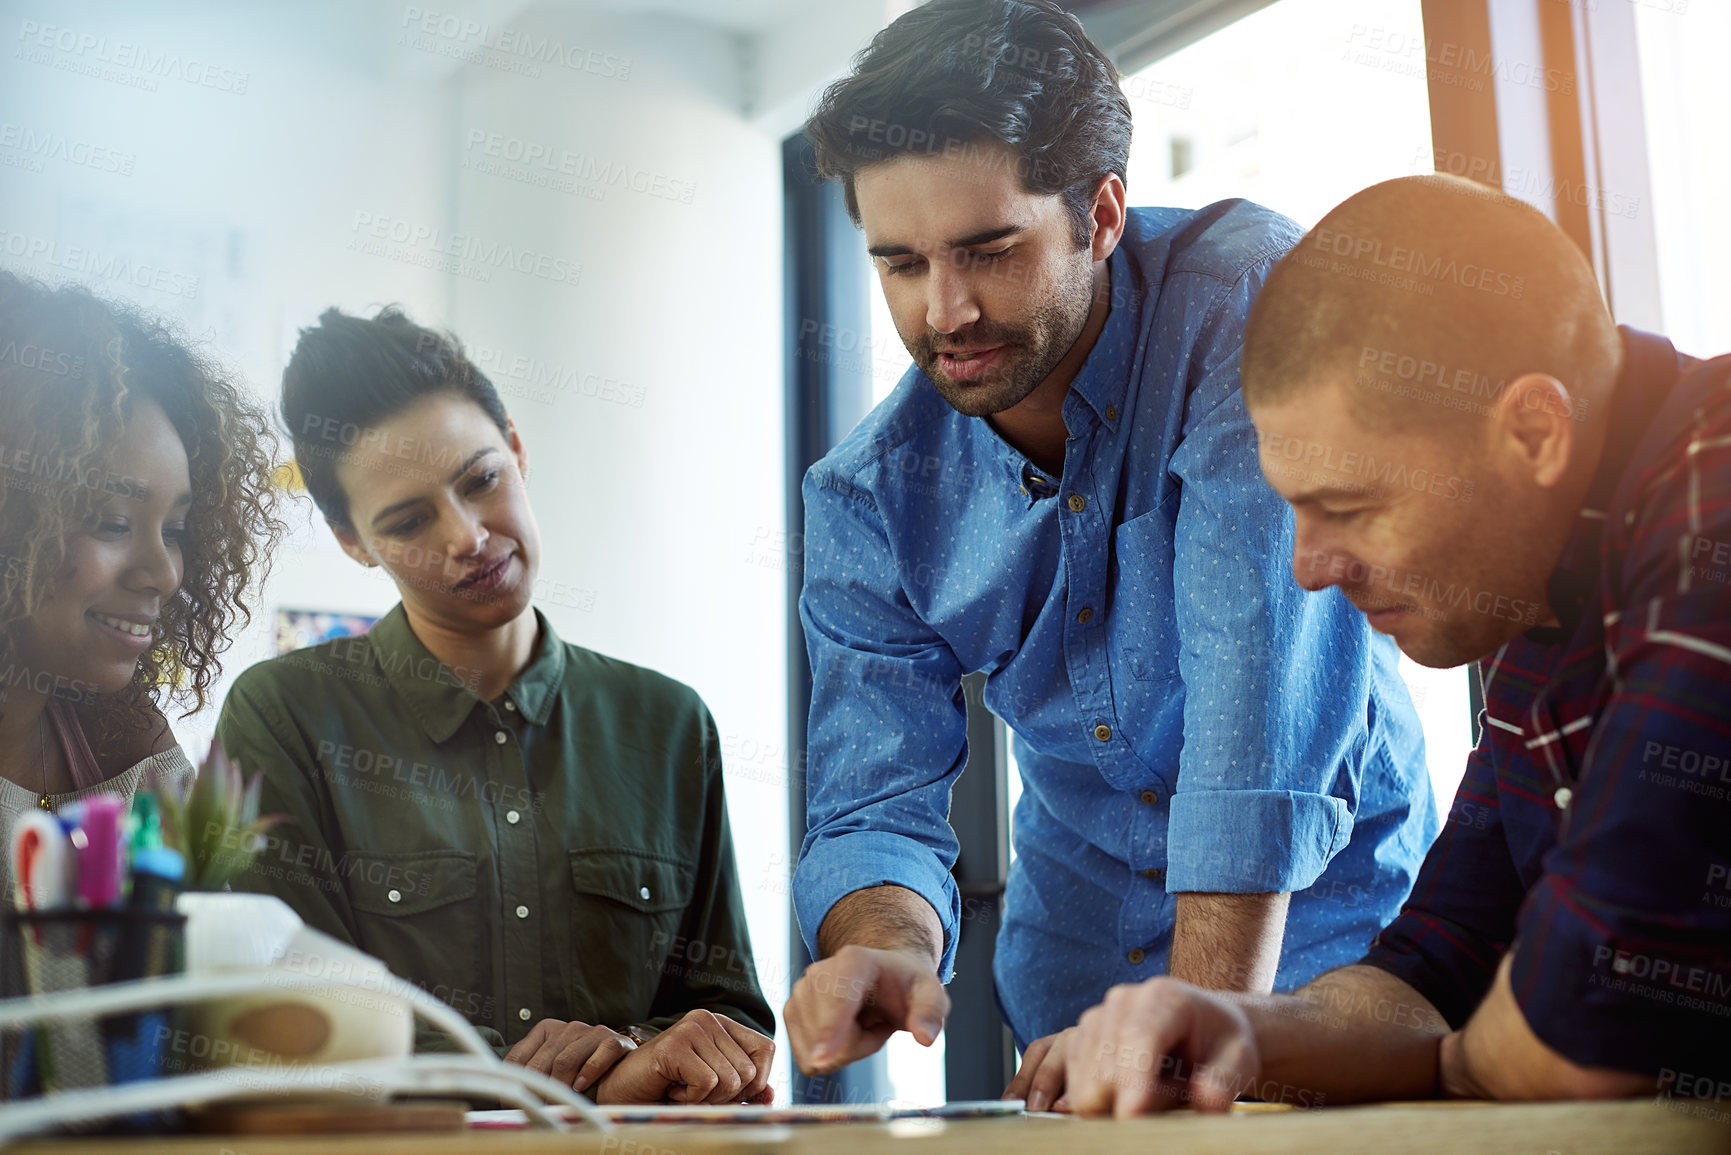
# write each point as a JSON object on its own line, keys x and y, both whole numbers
{"x": 1624, "y": 945}
{"x": 1456, "y": 924}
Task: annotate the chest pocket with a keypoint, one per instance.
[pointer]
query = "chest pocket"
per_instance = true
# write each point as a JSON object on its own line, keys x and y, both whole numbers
{"x": 626, "y": 917}
{"x": 1144, "y": 633}
{"x": 418, "y": 913}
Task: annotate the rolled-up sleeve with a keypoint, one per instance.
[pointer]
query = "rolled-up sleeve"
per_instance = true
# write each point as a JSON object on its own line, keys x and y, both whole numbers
{"x": 1276, "y": 680}
{"x": 888, "y": 728}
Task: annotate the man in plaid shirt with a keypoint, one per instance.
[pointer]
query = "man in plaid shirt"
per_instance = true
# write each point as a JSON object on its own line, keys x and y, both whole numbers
{"x": 1490, "y": 469}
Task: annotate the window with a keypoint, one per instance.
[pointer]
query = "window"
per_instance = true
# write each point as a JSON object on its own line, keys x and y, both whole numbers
{"x": 1183, "y": 156}
{"x": 1296, "y": 106}
{"x": 1687, "y": 93}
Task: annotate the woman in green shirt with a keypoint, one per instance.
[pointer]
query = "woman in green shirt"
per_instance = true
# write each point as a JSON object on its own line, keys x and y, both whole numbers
{"x": 533, "y": 832}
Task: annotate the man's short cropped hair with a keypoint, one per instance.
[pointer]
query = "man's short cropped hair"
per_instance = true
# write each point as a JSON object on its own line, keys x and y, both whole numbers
{"x": 1426, "y": 295}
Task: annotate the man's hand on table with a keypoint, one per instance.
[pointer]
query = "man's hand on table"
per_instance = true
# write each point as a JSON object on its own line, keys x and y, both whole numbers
{"x": 1157, "y": 1045}
{"x": 1039, "y": 1081}
{"x": 703, "y": 1058}
{"x": 847, "y": 1005}
{"x": 572, "y": 1053}
{"x": 1219, "y": 941}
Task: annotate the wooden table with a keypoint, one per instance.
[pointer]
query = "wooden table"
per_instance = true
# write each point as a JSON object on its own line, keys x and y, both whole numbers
{"x": 1626, "y": 1128}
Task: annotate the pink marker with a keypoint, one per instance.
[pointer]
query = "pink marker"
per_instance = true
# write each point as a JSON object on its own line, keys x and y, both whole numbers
{"x": 100, "y": 861}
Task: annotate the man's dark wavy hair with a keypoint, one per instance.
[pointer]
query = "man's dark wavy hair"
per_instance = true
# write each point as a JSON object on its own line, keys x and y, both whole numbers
{"x": 955, "y": 73}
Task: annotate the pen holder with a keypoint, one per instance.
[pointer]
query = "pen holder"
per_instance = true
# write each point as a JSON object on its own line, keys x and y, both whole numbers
{"x": 44, "y": 952}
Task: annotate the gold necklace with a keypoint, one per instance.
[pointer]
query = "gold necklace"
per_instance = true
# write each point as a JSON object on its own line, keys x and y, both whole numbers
{"x": 42, "y": 799}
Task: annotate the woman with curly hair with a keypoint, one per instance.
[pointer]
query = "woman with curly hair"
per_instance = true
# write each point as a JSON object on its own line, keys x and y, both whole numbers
{"x": 136, "y": 509}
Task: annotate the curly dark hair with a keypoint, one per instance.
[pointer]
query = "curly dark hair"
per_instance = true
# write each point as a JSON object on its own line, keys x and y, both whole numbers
{"x": 953, "y": 73}
{"x": 71, "y": 365}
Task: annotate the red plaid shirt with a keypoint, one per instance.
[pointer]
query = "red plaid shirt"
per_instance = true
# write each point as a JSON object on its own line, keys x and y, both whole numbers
{"x": 1593, "y": 825}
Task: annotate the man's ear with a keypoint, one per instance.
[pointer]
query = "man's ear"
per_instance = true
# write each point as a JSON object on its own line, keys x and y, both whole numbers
{"x": 1108, "y": 215}
{"x": 1534, "y": 425}
{"x": 352, "y": 544}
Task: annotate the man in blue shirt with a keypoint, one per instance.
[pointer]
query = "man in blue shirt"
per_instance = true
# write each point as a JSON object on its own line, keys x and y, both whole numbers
{"x": 1222, "y": 775}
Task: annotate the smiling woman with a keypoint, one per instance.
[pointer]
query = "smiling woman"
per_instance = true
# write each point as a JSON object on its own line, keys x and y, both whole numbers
{"x": 135, "y": 511}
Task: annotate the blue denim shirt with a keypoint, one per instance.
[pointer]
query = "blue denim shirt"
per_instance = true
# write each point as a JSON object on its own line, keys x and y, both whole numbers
{"x": 1186, "y": 718}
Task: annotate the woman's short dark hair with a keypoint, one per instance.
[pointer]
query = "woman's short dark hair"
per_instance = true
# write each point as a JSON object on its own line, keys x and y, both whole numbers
{"x": 955, "y": 73}
{"x": 348, "y": 374}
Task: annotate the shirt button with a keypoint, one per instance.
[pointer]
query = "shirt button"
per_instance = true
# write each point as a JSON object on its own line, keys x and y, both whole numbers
{"x": 1563, "y": 797}
{"x": 1136, "y": 956}
{"x": 499, "y": 737}
{"x": 394, "y": 895}
{"x": 1104, "y": 733}
{"x": 1151, "y": 797}
{"x": 1078, "y": 503}
{"x": 643, "y": 893}
{"x": 1086, "y": 616}
{"x": 510, "y": 705}
{"x": 1151, "y": 873}
{"x": 523, "y": 1013}
{"x": 513, "y": 817}
{"x": 522, "y": 912}
{"x": 1111, "y": 413}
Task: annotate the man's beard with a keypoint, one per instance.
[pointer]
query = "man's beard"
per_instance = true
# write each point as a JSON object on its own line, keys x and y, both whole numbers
{"x": 1030, "y": 352}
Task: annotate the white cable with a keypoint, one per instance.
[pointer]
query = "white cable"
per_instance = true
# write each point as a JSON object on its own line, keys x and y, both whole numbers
{"x": 371, "y": 1079}
{"x": 142, "y": 994}
{"x": 89, "y": 1002}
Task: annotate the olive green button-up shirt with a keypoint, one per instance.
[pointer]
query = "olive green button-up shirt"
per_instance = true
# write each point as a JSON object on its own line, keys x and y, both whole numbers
{"x": 559, "y": 852}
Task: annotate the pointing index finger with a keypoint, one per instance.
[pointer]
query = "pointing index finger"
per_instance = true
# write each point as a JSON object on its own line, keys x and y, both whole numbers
{"x": 835, "y": 994}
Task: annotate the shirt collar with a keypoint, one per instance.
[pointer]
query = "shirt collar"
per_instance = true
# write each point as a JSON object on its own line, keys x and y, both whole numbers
{"x": 1651, "y": 366}
{"x": 537, "y": 687}
{"x": 439, "y": 698}
{"x": 1104, "y": 379}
